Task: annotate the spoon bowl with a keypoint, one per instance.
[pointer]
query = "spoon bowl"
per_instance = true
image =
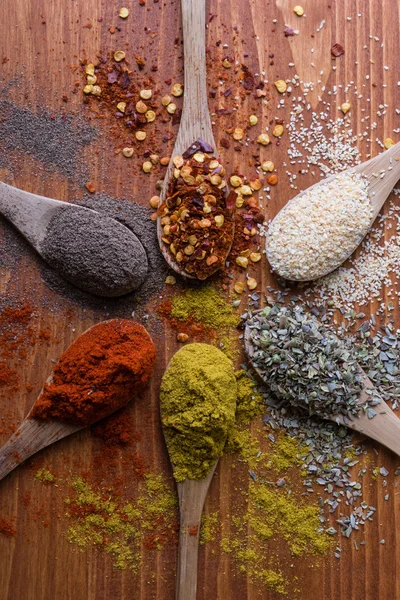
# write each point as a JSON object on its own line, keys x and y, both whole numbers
{"x": 384, "y": 427}
{"x": 382, "y": 173}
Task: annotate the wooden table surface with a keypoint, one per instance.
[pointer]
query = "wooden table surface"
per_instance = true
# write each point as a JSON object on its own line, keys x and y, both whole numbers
{"x": 41, "y": 44}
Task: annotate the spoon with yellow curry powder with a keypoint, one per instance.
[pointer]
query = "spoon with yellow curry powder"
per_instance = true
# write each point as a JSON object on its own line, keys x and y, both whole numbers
{"x": 196, "y": 216}
{"x": 100, "y": 372}
{"x": 198, "y": 403}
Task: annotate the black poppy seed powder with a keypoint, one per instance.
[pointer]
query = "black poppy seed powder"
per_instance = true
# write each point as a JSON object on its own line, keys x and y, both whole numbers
{"x": 136, "y": 218}
{"x": 94, "y": 252}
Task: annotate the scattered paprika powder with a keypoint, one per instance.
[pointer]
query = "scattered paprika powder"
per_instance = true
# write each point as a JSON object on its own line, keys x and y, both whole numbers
{"x": 7, "y": 528}
{"x": 99, "y": 373}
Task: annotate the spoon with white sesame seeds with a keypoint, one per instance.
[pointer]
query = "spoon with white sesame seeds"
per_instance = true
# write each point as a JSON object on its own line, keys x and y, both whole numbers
{"x": 380, "y": 424}
{"x": 322, "y": 226}
{"x": 195, "y": 243}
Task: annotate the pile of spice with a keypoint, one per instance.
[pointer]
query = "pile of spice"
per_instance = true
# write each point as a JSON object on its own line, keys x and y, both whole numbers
{"x": 99, "y": 373}
{"x": 198, "y": 403}
{"x": 94, "y": 252}
{"x": 306, "y": 365}
{"x": 316, "y": 232}
{"x": 197, "y": 219}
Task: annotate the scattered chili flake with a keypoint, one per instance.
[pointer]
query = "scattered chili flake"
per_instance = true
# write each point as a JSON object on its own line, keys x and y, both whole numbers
{"x": 193, "y": 530}
{"x": 288, "y": 31}
{"x": 7, "y": 528}
{"x": 116, "y": 430}
{"x": 248, "y": 78}
{"x": 337, "y": 50}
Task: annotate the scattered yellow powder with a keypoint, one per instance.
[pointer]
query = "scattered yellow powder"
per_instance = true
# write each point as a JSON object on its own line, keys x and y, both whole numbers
{"x": 45, "y": 476}
{"x": 119, "y": 527}
{"x": 285, "y": 454}
{"x": 209, "y": 527}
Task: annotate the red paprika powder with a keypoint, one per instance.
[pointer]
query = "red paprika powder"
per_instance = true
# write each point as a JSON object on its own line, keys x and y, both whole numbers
{"x": 100, "y": 372}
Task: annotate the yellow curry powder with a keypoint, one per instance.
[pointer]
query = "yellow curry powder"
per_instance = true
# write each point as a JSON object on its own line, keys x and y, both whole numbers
{"x": 198, "y": 403}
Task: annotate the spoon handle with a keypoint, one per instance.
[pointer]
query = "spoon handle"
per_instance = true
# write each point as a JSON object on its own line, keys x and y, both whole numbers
{"x": 192, "y": 494}
{"x": 195, "y": 122}
{"x": 383, "y": 172}
{"x": 28, "y": 212}
{"x": 383, "y": 428}
{"x": 31, "y": 436}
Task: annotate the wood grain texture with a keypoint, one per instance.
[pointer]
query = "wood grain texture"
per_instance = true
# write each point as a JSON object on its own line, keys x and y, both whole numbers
{"x": 43, "y": 42}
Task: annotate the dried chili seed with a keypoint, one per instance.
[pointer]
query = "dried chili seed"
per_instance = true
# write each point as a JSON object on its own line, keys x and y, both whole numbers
{"x": 171, "y": 108}
{"x": 251, "y": 283}
{"x": 177, "y": 90}
{"x": 119, "y": 55}
{"x": 388, "y": 143}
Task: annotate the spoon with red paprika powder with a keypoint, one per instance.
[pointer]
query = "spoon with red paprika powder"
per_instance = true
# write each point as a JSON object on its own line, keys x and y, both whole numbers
{"x": 100, "y": 372}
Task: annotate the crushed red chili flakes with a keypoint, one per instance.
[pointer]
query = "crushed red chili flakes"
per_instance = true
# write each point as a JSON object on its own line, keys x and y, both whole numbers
{"x": 193, "y": 530}
{"x": 118, "y": 87}
{"x": 197, "y": 219}
{"x": 7, "y": 528}
{"x": 337, "y": 50}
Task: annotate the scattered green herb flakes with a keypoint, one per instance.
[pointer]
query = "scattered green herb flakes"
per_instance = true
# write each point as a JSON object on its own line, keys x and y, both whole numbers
{"x": 273, "y": 513}
{"x": 304, "y": 363}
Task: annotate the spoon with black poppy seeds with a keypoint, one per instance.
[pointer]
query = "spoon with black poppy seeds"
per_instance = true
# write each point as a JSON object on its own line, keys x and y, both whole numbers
{"x": 196, "y": 217}
{"x": 381, "y": 424}
{"x": 94, "y": 252}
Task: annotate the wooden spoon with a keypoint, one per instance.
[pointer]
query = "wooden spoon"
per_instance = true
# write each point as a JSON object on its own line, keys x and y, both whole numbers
{"x": 387, "y": 162}
{"x": 384, "y": 427}
{"x": 195, "y": 120}
{"x": 33, "y": 435}
{"x": 191, "y": 494}
{"x": 31, "y": 215}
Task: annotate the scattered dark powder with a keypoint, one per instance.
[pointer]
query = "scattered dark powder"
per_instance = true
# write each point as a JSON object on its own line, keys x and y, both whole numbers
{"x": 53, "y": 138}
{"x": 94, "y": 252}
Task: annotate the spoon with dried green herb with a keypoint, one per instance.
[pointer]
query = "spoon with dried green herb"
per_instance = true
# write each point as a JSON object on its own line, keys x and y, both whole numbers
{"x": 198, "y": 403}
{"x": 305, "y": 365}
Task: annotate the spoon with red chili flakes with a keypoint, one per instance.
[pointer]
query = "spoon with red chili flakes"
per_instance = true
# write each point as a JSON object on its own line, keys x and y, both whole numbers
{"x": 100, "y": 372}
{"x": 196, "y": 215}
